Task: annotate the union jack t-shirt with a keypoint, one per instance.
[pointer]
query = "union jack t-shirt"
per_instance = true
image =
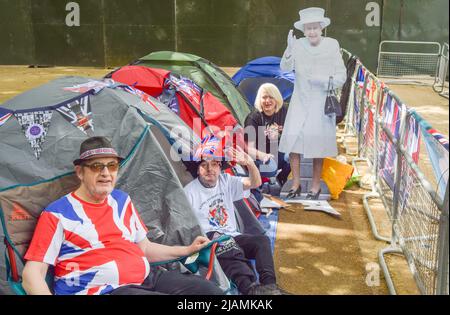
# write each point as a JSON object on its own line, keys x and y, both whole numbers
{"x": 91, "y": 246}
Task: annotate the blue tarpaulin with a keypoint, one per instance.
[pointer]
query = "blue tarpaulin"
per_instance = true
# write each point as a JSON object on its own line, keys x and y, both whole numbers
{"x": 263, "y": 70}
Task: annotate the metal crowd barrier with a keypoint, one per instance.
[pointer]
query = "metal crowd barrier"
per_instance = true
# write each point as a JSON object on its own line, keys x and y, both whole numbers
{"x": 440, "y": 78}
{"x": 385, "y": 129}
{"x": 407, "y": 58}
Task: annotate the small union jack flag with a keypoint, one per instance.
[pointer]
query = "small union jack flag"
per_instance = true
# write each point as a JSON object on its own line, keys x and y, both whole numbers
{"x": 209, "y": 148}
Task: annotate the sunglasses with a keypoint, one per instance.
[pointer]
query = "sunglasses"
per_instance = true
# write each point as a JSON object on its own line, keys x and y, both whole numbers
{"x": 97, "y": 167}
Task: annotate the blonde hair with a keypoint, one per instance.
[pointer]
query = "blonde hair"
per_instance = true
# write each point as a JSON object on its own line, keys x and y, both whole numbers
{"x": 273, "y": 91}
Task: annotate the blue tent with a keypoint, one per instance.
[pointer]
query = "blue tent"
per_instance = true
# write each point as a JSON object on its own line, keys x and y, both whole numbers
{"x": 263, "y": 70}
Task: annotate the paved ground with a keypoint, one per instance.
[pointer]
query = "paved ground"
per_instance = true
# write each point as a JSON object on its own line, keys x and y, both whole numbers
{"x": 314, "y": 253}
{"x": 17, "y": 79}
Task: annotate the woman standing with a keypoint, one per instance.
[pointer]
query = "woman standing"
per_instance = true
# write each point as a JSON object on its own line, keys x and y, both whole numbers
{"x": 266, "y": 123}
{"x": 317, "y": 63}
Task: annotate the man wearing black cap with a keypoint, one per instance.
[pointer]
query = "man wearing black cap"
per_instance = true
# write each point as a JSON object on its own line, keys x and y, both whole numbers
{"x": 212, "y": 195}
{"x": 97, "y": 243}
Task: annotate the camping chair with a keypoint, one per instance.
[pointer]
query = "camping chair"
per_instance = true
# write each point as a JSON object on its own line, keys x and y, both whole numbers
{"x": 19, "y": 217}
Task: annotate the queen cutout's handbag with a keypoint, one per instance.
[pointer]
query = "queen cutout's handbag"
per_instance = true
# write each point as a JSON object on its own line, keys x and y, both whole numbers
{"x": 332, "y": 104}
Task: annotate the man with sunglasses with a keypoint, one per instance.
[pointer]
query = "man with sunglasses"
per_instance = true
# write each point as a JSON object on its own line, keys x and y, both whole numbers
{"x": 212, "y": 195}
{"x": 97, "y": 242}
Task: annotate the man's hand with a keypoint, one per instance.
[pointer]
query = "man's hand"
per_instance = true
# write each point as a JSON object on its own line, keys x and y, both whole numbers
{"x": 239, "y": 156}
{"x": 198, "y": 244}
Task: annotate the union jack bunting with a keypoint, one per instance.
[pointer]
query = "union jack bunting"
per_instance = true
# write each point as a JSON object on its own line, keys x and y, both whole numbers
{"x": 79, "y": 114}
{"x": 94, "y": 85}
{"x": 169, "y": 97}
{"x": 5, "y": 114}
{"x": 35, "y": 125}
{"x": 142, "y": 95}
{"x": 412, "y": 139}
{"x": 439, "y": 137}
{"x": 388, "y": 156}
{"x": 189, "y": 89}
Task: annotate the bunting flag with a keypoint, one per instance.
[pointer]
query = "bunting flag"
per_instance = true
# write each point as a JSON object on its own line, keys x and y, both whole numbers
{"x": 437, "y": 148}
{"x": 439, "y": 157}
{"x": 412, "y": 144}
{"x": 356, "y": 110}
{"x": 439, "y": 137}
{"x": 370, "y": 129}
{"x": 361, "y": 74}
{"x": 94, "y": 85}
{"x": 5, "y": 114}
{"x": 412, "y": 139}
{"x": 189, "y": 89}
{"x": 373, "y": 93}
{"x": 142, "y": 95}
{"x": 388, "y": 155}
{"x": 78, "y": 113}
{"x": 169, "y": 98}
{"x": 35, "y": 125}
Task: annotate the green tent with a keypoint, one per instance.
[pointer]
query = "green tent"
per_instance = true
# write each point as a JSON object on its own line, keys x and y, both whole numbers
{"x": 205, "y": 74}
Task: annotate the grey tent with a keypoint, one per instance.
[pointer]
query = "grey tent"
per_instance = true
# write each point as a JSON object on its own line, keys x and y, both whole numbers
{"x": 40, "y": 133}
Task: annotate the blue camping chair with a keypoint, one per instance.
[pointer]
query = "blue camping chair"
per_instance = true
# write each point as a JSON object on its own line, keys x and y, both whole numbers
{"x": 19, "y": 229}
{"x": 205, "y": 257}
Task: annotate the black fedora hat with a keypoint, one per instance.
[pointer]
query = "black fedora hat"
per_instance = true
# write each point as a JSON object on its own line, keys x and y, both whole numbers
{"x": 96, "y": 147}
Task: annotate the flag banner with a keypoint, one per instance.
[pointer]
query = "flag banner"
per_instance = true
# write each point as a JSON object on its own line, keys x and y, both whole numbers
{"x": 439, "y": 137}
{"x": 94, "y": 85}
{"x": 388, "y": 159}
{"x": 189, "y": 89}
{"x": 412, "y": 139}
{"x": 412, "y": 145}
{"x": 370, "y": 128}
{"x": 5, "y": 114}
{"x": 78, "y": 113}
{"x": 388, "y": 155}
{"x": 169, "y": 98}
{"x": 35, "y": 126}
{"x": 356, "y": 110}
{"x": 437, "y": 149}
{"x": 142, "y": 95}
{"x": 439, "y": 158}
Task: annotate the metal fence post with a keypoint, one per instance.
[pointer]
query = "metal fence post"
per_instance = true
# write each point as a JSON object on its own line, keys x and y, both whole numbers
{"x": 442, "y": 71}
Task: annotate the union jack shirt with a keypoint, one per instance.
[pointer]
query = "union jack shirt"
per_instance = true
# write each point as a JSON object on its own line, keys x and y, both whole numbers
{"x": 91, "y": 246}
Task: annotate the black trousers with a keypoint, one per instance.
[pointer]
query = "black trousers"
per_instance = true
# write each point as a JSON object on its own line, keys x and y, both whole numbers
{"x": 236, "y": 265}
{"x": 160, "y": 282}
